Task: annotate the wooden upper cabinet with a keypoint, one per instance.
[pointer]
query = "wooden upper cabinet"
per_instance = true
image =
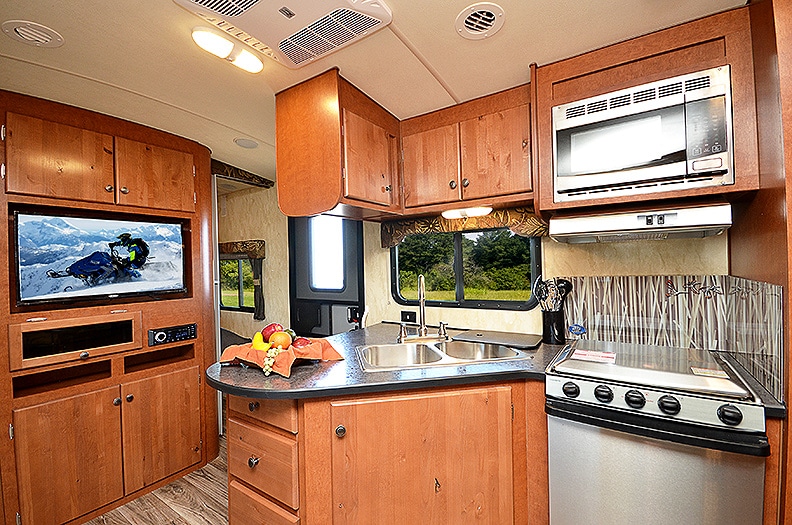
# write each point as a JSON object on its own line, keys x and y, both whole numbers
{"x": 161, "y": 426}
{"x": 496, "y": 153}
{"x": 55, "y": 160}
{"x": 153, "y": 176}
{"x": 68, "y": 456}
{"x": 322, "y": 165}
{"x": 431, "y": 166}
{"x": 448, "y": 456}
{"x": 369, "y": 157}
{"x": 702, "y": 44}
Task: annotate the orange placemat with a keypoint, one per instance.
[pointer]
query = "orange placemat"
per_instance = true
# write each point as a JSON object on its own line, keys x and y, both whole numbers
{"x": 244, "y": 353}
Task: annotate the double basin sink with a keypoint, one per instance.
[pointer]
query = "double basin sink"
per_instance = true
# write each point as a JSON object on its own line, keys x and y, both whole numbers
{"x": 441, "y": 353}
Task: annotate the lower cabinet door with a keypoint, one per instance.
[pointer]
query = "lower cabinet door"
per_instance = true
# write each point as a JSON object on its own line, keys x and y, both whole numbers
{"x": 246, "y": 507}
{"x": 429, "y": 458}
{"x": 68, "y": 456}
{"x": 162, "y": 426}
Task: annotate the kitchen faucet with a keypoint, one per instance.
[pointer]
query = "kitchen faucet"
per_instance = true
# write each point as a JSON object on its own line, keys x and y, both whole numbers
{"x": 442, "y": 335}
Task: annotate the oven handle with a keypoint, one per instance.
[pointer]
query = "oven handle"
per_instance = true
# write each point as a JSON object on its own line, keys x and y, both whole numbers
{"x": 727, "y": 440}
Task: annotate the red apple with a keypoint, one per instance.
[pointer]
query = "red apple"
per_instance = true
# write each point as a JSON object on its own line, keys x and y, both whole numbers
{"x": 300, "y": 342}
{"x": 270, "y": 329}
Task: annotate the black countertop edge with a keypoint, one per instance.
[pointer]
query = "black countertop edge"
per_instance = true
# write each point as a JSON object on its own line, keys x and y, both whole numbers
{"x": 774, "y": 408}
{"x": 365, "y": 388}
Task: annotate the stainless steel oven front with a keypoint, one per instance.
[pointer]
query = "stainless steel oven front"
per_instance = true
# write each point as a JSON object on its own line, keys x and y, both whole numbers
{"x": 665, "y": 135}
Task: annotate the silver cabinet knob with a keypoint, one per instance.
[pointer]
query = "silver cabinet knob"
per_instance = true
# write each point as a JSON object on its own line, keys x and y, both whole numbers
{"x": 130, "y": 398}
{"x": 465, "y": 183}
{"x": 116, "y": 401}
{"x": 452, "y": 184}
{"x": 84, "y": 355}
{"x": 124, "y": 190}
{"x": 109, "y": 188}
{"x": 388, "y": 188}
{"x": 253, "y": 461}
{"x": 340, "y": 431}
{"x": 253, "y": 406}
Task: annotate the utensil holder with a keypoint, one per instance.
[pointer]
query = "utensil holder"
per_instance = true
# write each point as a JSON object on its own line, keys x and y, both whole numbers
{"x": 553, "y": 331}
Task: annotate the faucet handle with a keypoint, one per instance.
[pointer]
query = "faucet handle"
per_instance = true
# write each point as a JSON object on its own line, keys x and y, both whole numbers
{"x": 441, "y": 329}
{"x": 402, "y": 333}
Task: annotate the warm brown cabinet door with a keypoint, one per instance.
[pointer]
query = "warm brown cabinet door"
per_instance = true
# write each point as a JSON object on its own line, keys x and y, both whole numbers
{"x": 368, "y": 160}
{"x": 54, "y": 160}
{"x": 68, "y": 456}
{"x": 153, "y": 176}
{"x": 431, "y": 166}
{"x": 496, "y": 154}
{"x": 161, "y": 426}
{"x": 424, "y": 458}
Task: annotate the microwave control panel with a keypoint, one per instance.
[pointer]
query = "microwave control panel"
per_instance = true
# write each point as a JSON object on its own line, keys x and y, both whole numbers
{"x": 161, "y": 336}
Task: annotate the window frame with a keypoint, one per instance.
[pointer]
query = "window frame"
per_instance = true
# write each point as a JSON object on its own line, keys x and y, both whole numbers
{"x": 240, "y": 285}
{"x": 535, "y": 251}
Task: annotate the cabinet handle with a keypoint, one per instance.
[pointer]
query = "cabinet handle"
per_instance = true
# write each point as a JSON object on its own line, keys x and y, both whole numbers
{"x": 253, "y": 406}
{"x": 465, "y": 183}
{"x": 253, "y": 461}
{"x": 116, "y": 401}
{"x": 109, "y": 188}
{"x": 84, "y": 355}
{"x": 130, "y": 398}
{"x": 388, "y": 188}
{"x": 340, "y": 431}
{"x": 452, "y": 184}
{"x": 525, "y": 143}
{"x": 124, "y": 190}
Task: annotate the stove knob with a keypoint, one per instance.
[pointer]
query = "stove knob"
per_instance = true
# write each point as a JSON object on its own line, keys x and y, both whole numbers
{"x": 669, "y": 405}
{"x": 730, "y": 414}
{"x": 603, "y": 393}
{"x": 571, "y": 389}
{"x": 635, "y": 399}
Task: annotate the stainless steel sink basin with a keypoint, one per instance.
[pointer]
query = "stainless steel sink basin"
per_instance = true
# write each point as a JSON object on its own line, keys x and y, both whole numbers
{"x": 475, "y": 351}
{"x": 424, "y": 354}
{"x": 398, "y": 355}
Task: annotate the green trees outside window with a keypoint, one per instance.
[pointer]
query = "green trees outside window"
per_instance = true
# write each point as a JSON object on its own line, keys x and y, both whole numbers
{"x": 236, "y": 284}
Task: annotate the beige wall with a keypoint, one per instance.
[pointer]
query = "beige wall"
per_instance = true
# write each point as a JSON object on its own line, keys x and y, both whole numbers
{"x": 678, "y": 257}
{"x": 254, "y": 214}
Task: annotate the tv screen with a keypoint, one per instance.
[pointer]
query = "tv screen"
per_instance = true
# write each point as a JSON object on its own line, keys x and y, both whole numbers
{"x": 64, "y": 258}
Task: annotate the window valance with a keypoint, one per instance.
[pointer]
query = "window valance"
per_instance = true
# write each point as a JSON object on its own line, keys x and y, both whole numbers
{"x": 253, "y": 249}
{"x": 522, "y": 221}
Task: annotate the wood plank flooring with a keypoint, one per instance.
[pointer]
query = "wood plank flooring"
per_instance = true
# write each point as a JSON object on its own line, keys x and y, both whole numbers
{"x": 199, "y": 498}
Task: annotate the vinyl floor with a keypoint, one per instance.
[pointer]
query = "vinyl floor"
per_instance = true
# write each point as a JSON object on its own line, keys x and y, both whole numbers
{"x": 199, "y": 498}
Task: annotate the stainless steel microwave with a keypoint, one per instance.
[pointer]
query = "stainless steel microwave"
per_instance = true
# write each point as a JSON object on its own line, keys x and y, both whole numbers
{"x": 667, "y": 135}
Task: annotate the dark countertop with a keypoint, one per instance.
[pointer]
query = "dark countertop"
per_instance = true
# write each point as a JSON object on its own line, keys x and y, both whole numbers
{"x": 335, "y": 378}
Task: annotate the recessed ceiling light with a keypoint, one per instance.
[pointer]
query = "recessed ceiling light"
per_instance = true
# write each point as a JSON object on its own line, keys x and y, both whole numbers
{"x": 479, "y": 21}
{"x": 32, "y": 33}
{"x": 246, "y": 143}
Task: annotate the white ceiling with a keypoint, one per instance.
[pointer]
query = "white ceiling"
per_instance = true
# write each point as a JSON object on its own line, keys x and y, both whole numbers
{"x": 136, "y": 60}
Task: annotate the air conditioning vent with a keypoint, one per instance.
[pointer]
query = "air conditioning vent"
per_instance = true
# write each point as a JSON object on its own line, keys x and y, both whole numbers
{"x": 621, "y": 100}
{"x": 697, "y": 83}
{"x": 227, "y": 7}
{"x": 669, "y": 90}
{"x": 577, "y": 111}
{"x": 644, "y": 95}
{"x": 297, "y": 32}
{"x": 599, "y": 105}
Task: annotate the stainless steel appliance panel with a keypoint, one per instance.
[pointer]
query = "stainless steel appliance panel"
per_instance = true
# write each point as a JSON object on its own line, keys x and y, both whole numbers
{"x": 600, "y": 476}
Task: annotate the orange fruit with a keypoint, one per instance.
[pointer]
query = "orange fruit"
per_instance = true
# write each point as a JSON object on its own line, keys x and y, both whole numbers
{"x": 280, "y": 339}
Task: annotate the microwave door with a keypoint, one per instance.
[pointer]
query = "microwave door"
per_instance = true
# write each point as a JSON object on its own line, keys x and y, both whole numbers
{"x": 622, "y": 151}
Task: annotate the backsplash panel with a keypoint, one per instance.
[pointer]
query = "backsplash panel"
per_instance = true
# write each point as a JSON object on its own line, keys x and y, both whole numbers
{"x": 714, "y": 312}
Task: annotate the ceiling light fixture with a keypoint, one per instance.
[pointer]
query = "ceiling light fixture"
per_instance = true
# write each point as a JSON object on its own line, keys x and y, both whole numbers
{"x": 464, "y": 213}
{"x": 221, "y": 47}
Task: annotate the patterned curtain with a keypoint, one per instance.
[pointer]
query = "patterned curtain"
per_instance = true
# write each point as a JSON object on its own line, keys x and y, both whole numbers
{"x": 521, "y": 221}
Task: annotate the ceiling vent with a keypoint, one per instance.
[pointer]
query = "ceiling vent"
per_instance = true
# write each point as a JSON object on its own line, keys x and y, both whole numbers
{"x": 32, "y": 33}
{"x": 478, "y": 21}
{"x": 294, "y": 34}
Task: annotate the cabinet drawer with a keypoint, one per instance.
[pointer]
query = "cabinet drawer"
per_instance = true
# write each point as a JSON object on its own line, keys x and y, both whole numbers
{"x": 281, "y": 413}
{"x": 264, "y": 459}
{"x": 245, "y": 507}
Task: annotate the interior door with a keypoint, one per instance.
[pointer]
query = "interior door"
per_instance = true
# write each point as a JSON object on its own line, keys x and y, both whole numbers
{"x": 326, "y": 275}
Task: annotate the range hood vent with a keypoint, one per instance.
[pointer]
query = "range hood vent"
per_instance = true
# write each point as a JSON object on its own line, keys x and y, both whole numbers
{"x": 297, "y": 33}
{"x": 677, "y": 223}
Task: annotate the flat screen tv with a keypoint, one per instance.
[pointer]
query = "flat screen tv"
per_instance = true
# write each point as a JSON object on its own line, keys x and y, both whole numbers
{"x": 63, "y": 258}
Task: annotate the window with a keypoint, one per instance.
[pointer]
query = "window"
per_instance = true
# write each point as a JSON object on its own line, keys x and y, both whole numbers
{"x": 474, "y": 269}
{"x": 236, "y": 284}
{"x": 327, "y": 252}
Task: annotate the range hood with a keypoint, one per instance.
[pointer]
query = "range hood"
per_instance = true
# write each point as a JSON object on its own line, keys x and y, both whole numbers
{"x": 674, "y": 223}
